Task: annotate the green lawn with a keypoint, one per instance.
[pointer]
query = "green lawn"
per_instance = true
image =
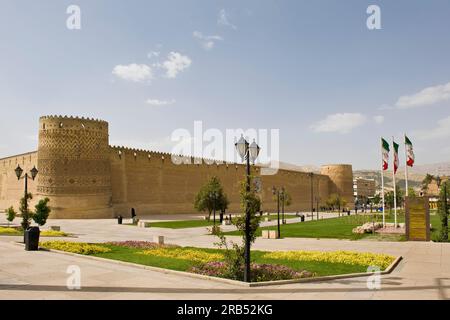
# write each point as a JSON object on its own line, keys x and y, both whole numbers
{"x": 320, "y": 268}
{"x": 184, "y": 224}
{"x": 339, "y": 228}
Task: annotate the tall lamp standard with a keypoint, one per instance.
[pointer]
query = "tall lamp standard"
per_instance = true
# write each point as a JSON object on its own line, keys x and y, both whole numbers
{"x": 283, "y": 200}
{"x": 19, "y": 172}
{"x": 277, "y": 193}
{"x": 311, "y": 175}
{"x": 248, "y": 152}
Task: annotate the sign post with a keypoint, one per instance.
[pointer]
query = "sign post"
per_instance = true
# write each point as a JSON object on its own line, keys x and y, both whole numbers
{"x": 417, "y": 219}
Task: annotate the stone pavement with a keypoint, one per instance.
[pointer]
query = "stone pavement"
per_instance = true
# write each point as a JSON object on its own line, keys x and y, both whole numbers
{"x": 423, "y": 274}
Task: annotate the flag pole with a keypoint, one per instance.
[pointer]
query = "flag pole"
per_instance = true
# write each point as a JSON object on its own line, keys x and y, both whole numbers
{"x": 395, "y": 186}
{"x": 382, "y": 184}
{"x": 406, "y": 169}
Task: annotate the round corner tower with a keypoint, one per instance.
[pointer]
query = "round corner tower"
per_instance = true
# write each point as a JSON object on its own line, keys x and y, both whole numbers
{"x": 341, "y": 180}
{"x": 74, "y": 167}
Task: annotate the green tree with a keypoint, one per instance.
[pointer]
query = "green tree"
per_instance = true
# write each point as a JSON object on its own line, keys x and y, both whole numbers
{"x": 377, "y": 199}
{"x": 287, "y": 199}
{"x": 42, "y": 211}
{"x": 204, "y": 201}
{"x": 443, "y": 208}
{"x": 389, "y": 198}
{"x": 412, "y": 192}
{"x": 10, "y": 214}
{"x": 25, "y": 211}
{"x": 426, "y": 181}
{"x": 336, "y": 202}
{"x": 235, "y": 258}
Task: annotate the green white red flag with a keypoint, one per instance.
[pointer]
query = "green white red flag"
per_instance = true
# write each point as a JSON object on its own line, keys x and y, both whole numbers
{"x": 410, "y": 157}
{"x": 385, "y": 151}
{"x": 396, "y": 159}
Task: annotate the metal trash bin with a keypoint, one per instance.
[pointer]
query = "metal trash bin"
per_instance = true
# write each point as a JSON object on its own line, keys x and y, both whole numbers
{"x": 302, "y": 218}
{"x": 32, "y": 239}
{"x": 119, "y": 219}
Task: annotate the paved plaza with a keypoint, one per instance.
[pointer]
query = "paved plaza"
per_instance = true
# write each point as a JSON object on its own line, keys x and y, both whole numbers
{"x": 424, "y": 272}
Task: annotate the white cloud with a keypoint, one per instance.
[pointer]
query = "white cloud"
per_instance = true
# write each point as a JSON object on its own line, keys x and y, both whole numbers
{"x": 378, "y": 119}
{"x": 175, "y": 64}
{"x": 440, "y": 131}
{"x": 207, "y": 42}
{"x": 224, "y": 21}
{"x": 156, "y": 102}
{"x": 340, "y": 123}
{"x": 133, "y": 72}
{"x": 426, "y": 97}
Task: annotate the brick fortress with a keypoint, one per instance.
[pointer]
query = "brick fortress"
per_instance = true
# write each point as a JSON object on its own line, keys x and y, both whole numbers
{"x": 85, "y": 177}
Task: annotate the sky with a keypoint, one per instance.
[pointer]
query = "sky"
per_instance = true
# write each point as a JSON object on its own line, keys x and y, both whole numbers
{"x": 312, "y": 69}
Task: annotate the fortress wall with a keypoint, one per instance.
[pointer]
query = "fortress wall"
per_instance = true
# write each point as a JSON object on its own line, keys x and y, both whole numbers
{"x": 153, "y": 185}
{"x": 84, "y": 177}
{"x": 11, "y": 189}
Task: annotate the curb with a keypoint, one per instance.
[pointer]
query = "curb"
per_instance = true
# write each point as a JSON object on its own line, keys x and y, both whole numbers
{"x": 388, "y": 270}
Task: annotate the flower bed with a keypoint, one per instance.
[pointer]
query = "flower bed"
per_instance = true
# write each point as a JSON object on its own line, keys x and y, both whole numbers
{"x": 75, "y": 247}
{"x": 266, "y": 266}
{"x": 140, "y": 245}
{"x": 345, "y": 257}
{"x": 260, "y": 272}
{"x": 185, "y": 254}
{"x": 9, "y": 231}
{"x": 53, "y": 233}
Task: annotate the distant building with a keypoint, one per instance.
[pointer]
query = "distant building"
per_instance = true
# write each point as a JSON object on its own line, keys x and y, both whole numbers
{"x": 432, "y": 189}
{"x": 363, "y": 189}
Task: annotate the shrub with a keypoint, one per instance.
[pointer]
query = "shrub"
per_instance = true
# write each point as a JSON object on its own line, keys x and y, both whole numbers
{"x": 42, "y": 212}
{"x": 10, "y": 214}
{"x": 75, "y": 247}
{"x": 25, "y": 211}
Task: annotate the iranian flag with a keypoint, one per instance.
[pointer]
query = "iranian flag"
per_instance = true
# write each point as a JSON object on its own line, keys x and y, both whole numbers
{"x": 410, "y": 157}
{"x": 385, "y": 151}
{"x": 396, "y": 159}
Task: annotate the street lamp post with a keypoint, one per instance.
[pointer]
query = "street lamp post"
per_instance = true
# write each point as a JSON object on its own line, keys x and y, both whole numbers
{"x": 283, "y": 200}
{"x": 19, "y": 172}
{"x": 248, "y": 152}
{"x": 277, "y": 193}
{"x": 311, "y": 175}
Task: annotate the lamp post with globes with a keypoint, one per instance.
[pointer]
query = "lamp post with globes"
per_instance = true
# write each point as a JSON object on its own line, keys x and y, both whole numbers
{"x": 19, "y": 172}
{"x": 247, "y": 152}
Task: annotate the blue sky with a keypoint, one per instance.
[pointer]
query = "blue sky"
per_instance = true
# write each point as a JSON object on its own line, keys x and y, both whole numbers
{"x": 309, "y": 68}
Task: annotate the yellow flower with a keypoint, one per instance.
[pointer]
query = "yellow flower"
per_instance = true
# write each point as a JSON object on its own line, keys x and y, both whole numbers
{"x": 345, "y": 257}
{"x": 53, "y": 233}
{"x": 4, "y": 230}
{"x": 185, "y": 254}
{"x": 74, "y": 247}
